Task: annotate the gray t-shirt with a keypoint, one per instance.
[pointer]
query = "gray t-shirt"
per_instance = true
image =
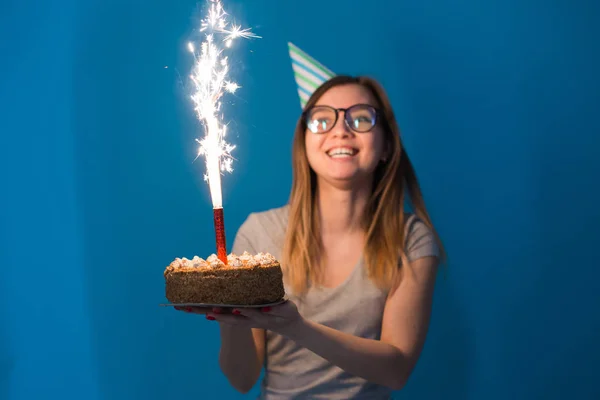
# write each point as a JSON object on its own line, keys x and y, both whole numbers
{"x": 356, "y": 307}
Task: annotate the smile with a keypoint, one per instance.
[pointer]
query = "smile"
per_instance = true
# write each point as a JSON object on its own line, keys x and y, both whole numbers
{"x": 342, "y": 152}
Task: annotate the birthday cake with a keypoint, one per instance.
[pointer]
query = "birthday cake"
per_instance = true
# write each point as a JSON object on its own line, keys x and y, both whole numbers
{"x": 245, "y": 280}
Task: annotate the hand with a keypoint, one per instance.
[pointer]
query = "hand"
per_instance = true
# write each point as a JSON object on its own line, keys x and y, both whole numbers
{"x": 280, "y": 318}
{"x": 203, "y": 310}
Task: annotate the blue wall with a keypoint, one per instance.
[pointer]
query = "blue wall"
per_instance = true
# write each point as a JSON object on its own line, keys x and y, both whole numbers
{"x": 498, "y": 102}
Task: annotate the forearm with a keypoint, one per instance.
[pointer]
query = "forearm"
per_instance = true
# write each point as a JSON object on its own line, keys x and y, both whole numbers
{"x": 238, "y": 357}
{"x": 373, "y": 360}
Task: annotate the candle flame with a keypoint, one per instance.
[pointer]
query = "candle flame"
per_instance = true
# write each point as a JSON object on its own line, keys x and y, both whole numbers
{"x": 210, "y": 78}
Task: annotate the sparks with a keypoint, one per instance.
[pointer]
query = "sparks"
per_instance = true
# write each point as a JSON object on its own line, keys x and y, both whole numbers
{"x": 210, "y": 80}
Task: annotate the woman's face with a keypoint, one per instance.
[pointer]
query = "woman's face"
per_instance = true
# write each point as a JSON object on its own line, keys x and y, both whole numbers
{"x": 342, "y": 155}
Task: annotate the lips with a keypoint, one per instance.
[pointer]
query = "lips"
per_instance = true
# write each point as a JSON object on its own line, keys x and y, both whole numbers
{"x": 342, "y": 151}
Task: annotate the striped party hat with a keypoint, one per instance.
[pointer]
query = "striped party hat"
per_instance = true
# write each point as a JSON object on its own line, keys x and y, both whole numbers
{"x": 309, "y": 73}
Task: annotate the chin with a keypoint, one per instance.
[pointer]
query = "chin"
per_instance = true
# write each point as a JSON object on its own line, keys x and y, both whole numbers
{"x": 348, "y": 175}
{"x": 346, "y": 181}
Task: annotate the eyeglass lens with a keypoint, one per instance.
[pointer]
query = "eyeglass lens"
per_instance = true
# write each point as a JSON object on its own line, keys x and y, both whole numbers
{"x": 360, "y": 118}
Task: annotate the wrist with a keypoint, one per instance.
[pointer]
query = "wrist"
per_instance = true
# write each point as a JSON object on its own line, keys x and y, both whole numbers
{"x": 296, "y": 329}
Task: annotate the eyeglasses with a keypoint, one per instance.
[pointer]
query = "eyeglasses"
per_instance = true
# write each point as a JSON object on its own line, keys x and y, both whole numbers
{"x": 359, "y": 118}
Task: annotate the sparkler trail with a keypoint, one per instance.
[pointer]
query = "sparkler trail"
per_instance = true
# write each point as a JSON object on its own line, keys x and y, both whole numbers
{"x": 211, "y": 82}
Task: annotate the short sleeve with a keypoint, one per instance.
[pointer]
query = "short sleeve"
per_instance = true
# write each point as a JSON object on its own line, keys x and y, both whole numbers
{"x": 243, "y": 238}
{"x": 420, "y": 240}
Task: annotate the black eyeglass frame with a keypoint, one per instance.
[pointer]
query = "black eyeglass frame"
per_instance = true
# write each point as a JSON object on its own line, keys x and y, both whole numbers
{"x": 376, "y": 113}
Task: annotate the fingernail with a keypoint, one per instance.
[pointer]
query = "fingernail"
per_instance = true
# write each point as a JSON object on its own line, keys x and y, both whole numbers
{"x": 266, "y": 309}
{"x": 210, "y": 318}
{"x": 236, "y": 312}
{"x": 188, "y": 309}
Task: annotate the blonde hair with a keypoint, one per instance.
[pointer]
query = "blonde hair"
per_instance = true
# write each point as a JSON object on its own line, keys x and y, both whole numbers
{"x": 383, "y": 220}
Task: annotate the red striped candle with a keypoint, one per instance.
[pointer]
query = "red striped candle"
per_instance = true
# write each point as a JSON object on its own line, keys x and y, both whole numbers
{"x": 220, "y": 234}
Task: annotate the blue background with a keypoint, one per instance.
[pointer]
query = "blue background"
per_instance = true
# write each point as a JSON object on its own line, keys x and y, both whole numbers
{"x": 498, "y": 102}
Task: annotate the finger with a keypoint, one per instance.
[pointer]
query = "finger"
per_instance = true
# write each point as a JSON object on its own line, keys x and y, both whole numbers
{"x": 252, "y": 313}
{"x": 257, "y": 313}
{"x": 280, "y": 310}
{"x": 198, "y": 310}
{"x": 230, "y": 319}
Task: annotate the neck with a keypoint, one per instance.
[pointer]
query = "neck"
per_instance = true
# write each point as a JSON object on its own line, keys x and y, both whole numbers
{"x": 341, "y": 209}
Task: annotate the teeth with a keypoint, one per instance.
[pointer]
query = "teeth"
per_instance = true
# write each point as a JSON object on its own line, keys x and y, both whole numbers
{"x": 341, "y": 152}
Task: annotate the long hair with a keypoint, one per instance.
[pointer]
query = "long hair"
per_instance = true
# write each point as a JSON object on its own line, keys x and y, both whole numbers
{"x": 383, "y": 220}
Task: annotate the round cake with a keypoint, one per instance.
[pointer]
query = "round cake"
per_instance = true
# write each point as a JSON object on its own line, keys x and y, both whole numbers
{"x": 245, "y": 280}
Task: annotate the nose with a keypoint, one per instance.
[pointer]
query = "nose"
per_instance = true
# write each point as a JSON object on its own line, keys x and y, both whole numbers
{"x": 340, "y": 128}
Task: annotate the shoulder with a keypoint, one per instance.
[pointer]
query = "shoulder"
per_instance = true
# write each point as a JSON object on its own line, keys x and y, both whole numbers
{"x": 270, "y": 220}
{"x": 420, "y": 241}
{"x": 263, "y": 231}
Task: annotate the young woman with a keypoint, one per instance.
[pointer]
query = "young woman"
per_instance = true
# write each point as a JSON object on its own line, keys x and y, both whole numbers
{"x": 359, "y": 270}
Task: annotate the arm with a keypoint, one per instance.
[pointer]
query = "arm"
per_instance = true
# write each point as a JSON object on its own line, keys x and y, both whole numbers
{"x": 242, "y": 355}
{"x": 388, "y": 361}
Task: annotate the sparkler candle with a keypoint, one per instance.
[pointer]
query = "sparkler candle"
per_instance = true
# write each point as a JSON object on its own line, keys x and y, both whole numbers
{"x": 210, "y": 78}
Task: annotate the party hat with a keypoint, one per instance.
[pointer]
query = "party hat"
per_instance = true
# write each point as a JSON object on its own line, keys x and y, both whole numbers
{"x": 308, "y": 72}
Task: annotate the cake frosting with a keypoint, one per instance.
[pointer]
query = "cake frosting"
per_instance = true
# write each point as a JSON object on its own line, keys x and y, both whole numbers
{"x": 233, "y": 260}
